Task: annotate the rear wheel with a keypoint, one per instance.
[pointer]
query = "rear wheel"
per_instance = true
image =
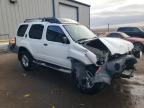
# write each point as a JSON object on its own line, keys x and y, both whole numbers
{"x": 26, "y": 60}
{"x": 138, "y": 50}
{"x": 138, "y": 47}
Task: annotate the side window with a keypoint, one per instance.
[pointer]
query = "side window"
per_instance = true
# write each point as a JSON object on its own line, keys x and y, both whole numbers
{"x": 111, "y": 35}
{"x": 55, "y": 34}
{"x": 115, "y": 35}
{"x": 118, "y": 35}
{"x": 21, "y": 31}
{"x": 125, "y": 29}
{"x": 135, "y": 30}
{"x": 36, "y": 31}
{"x": 129, "y": 29}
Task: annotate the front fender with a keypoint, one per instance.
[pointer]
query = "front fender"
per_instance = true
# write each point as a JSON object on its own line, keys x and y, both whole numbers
{"x": 80, "y": 57}
{"x": 83, "y": 55}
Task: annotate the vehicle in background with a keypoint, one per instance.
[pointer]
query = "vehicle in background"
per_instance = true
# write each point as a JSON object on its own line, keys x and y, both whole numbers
{"x": 137, "y": 42}
{"x": 67, "y": 46}
{"x": 132, "y": 31}
{"x": 12, "y": 43}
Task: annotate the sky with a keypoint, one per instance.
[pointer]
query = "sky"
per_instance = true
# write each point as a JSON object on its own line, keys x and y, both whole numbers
{"x": 114, "y": 12}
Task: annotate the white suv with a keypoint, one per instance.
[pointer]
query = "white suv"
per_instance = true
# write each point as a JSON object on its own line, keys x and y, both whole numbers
{"x": 65, "y": 45}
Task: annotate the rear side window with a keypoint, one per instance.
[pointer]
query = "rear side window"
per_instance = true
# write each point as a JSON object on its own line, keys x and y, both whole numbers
{"x": 122, "y": 29}
{"x": 36, "y": 31}
{"x": 135, "y": 30}
{"x": 129, "y": 29}
{"x": 21, "y": 31}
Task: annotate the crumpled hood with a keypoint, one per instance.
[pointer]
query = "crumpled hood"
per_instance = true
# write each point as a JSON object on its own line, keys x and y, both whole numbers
{"x": 116, "y": 45}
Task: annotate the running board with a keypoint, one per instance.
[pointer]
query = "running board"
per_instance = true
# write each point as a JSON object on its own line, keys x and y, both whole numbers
{"x": 52, "y": 66}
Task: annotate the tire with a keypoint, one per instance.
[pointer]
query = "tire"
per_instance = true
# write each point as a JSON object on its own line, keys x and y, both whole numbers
{"x": 11, "y": 47}
{"x": 26, "y": 60}
{"x": 138, "y": 47}
{"x": 81, "y": 78}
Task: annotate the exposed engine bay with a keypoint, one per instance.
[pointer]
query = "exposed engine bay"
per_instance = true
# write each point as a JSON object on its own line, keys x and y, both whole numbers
{"x": 99, "y": 49}
{"x": 108, "y": 60}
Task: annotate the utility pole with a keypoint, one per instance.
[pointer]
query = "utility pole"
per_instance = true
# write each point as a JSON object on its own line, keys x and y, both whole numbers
{"x": 108, "y": 27}
{"x": 54, "y": 9}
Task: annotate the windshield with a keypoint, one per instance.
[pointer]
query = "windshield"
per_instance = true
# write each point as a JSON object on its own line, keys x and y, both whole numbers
{"x": 141, "y": 29}
{"x": 79, "y": 32}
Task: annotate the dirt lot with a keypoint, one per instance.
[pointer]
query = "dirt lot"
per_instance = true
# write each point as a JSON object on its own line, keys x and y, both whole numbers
{"x": 46, "y": 88}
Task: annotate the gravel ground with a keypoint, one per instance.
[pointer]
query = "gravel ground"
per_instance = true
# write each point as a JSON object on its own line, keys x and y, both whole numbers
{"x": 46, "y": 88}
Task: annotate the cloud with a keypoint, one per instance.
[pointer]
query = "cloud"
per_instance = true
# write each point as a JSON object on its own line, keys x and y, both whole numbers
{"x": 121, "y": 10}
{"x": 109, "y": 5}
{"x": 112, "y": 20}
{"x": 123, "y": 14}
{"x": 133, "y": 7}
{"x": 116, "y": 11}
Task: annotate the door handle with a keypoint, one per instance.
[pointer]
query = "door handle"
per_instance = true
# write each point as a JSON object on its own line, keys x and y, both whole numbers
{"x": 45, "y": 44}
{"x": 25, "y": 36}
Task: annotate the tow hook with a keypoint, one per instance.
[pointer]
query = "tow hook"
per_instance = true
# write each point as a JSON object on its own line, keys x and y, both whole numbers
{"x": 128, "y": 73}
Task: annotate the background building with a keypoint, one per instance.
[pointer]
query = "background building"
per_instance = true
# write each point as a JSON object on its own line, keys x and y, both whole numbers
{"x": 12, "y": 12}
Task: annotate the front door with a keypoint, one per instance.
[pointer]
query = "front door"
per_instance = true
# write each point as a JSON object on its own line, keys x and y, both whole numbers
{"x": 55, "y": 50}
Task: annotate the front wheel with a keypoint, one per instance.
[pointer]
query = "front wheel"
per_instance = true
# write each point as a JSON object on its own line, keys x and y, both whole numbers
{"x": 83, "y": 79}
{"x": 26, "y": 60}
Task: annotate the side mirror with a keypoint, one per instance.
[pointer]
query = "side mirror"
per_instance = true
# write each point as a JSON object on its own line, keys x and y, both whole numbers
{"x": 65, "y": 40}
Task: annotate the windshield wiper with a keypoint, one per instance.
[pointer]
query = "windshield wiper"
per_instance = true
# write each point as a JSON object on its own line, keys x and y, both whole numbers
{"x": 94, "y": 37}
{"x": 83, "y": 39}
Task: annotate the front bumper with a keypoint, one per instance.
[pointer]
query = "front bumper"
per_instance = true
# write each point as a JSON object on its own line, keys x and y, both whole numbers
{"x": 115, "y": 68}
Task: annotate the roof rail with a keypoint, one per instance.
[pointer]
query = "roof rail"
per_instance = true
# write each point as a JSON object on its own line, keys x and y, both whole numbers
{"x": 33, "y": 19}
{"x": 51, "y": 20}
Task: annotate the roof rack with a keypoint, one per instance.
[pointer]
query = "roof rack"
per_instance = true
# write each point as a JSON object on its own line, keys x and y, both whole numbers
{"x": 51, "y": 20}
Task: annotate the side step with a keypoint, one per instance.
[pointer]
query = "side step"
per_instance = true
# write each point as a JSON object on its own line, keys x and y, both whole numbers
{"x": 53, "y": 66}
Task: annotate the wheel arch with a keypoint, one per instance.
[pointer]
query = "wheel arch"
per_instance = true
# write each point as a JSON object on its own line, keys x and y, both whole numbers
{"x": 23, "y": 49}
{"x": 73, "y": 60}
{"x": 140, "y": 43}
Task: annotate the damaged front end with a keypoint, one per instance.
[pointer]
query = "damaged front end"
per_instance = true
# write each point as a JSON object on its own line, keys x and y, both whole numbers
{"x": 115, "y": 68}
{"x": 112, "y": 61}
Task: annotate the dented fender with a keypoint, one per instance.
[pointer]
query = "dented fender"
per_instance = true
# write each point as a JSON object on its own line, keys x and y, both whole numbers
{"x": 102, "y": 76}
{"x": 82, "y": 54}
{"x": 92, "y": 57}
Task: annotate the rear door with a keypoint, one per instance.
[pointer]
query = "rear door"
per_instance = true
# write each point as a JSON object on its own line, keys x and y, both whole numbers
{"x": 35, "y": 39}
